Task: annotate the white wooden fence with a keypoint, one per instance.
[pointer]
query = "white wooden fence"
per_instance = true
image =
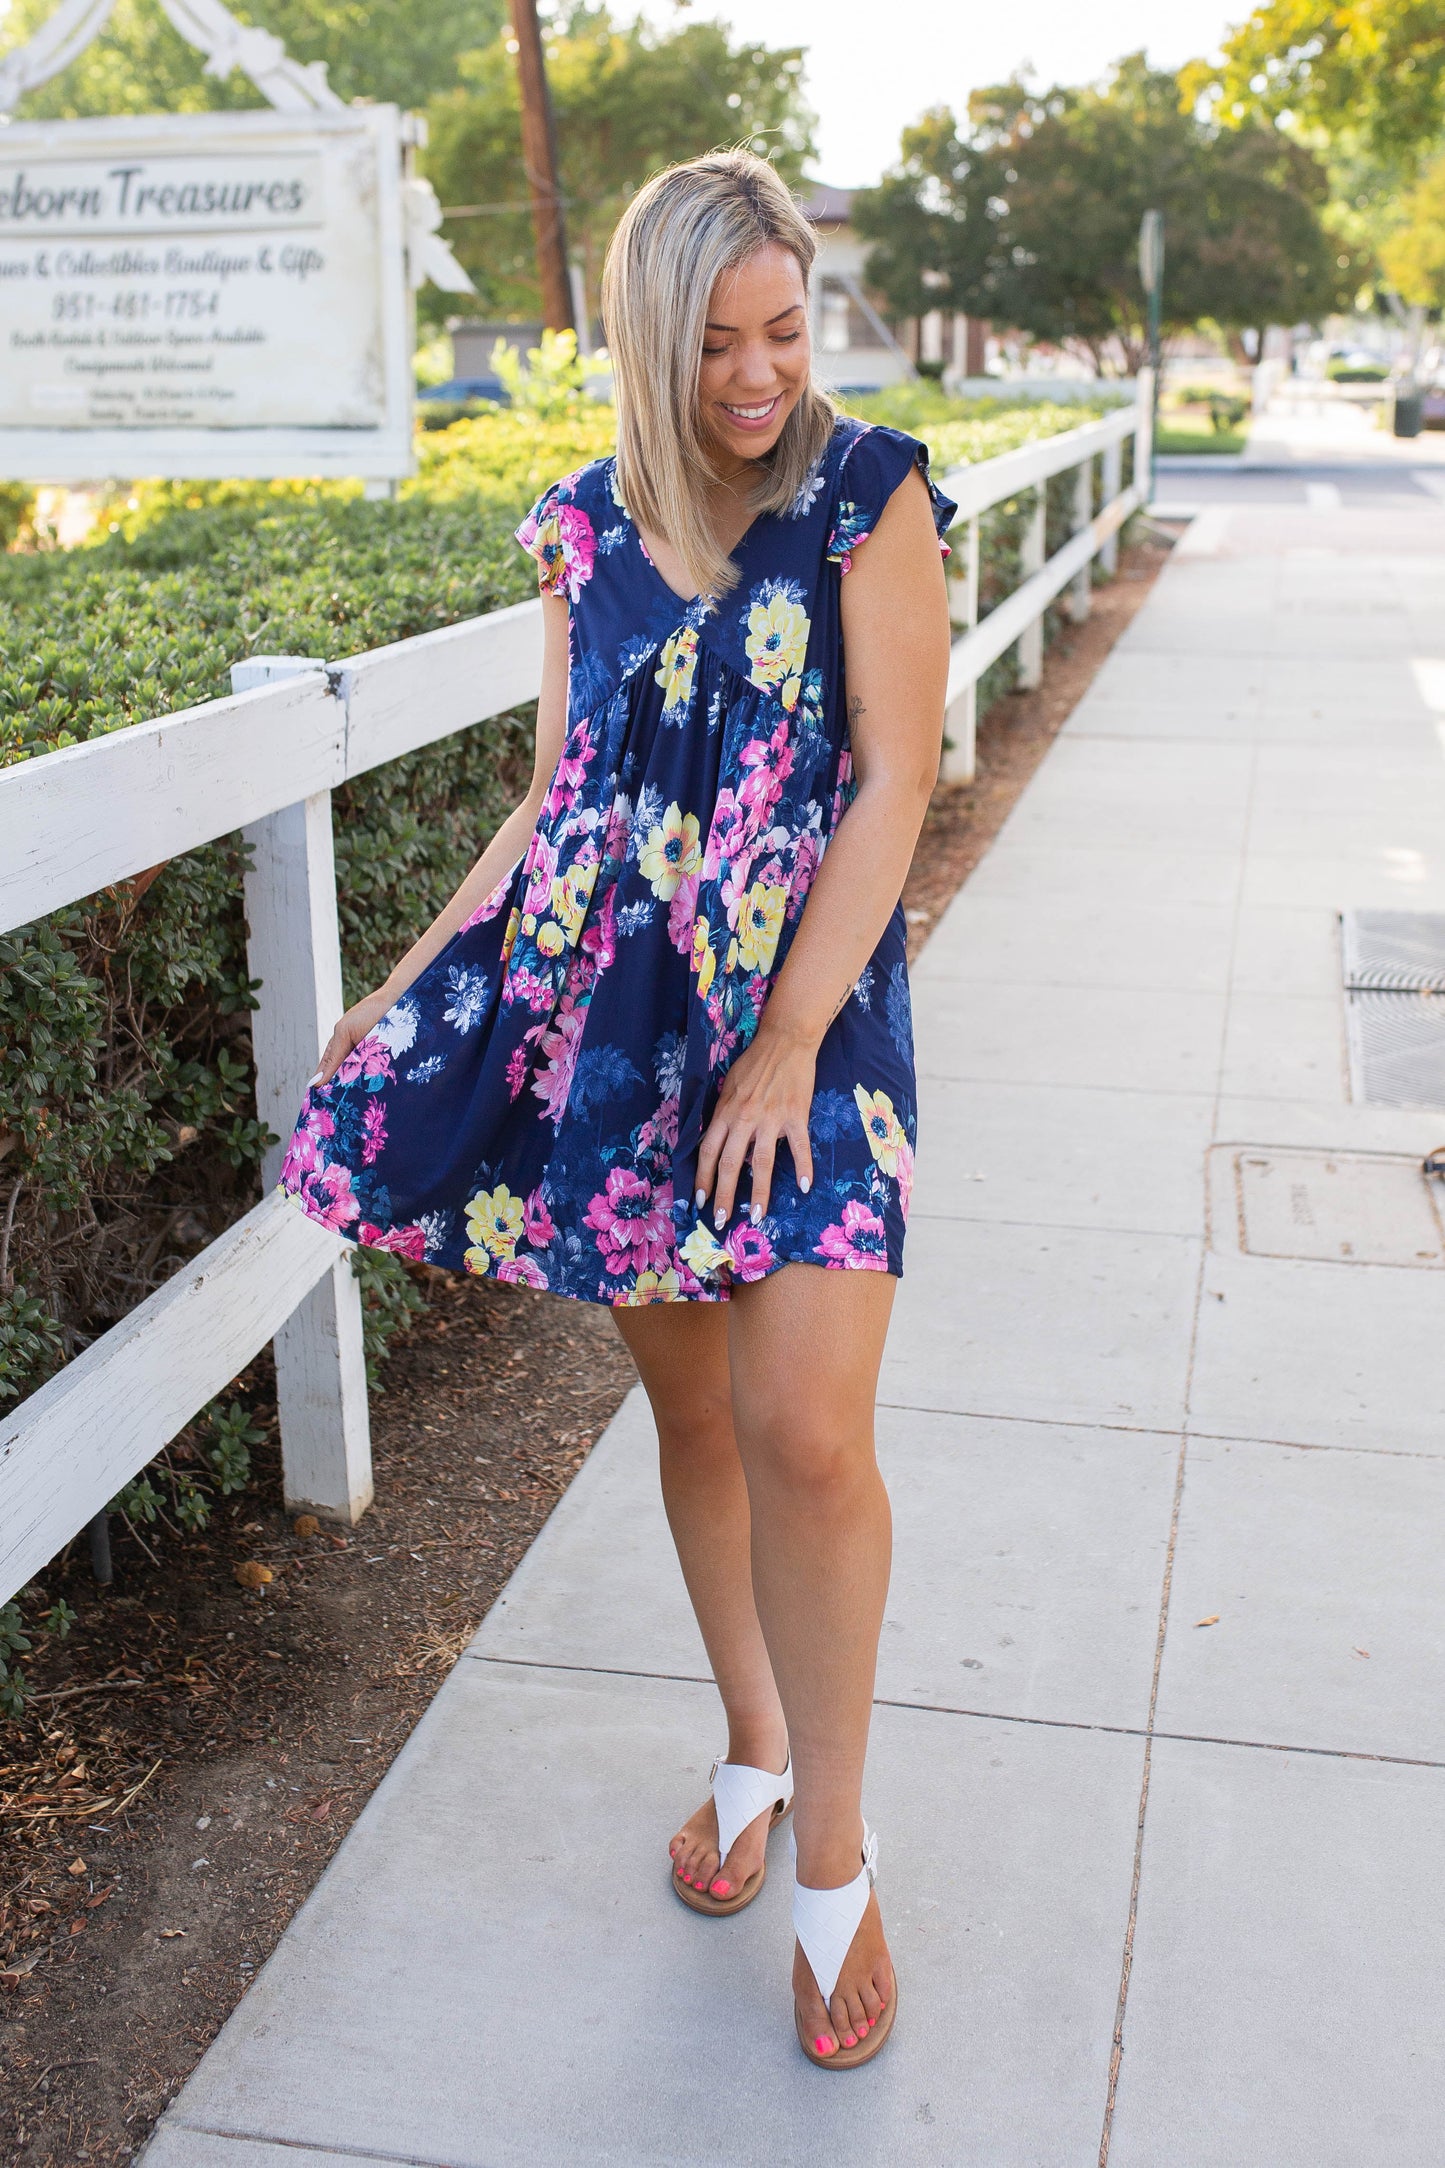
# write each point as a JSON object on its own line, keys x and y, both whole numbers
{"x": 266, "y": 760}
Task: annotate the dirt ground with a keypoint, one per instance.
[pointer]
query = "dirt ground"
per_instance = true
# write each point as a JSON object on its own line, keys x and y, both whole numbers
{"x": 197, "y": 1749}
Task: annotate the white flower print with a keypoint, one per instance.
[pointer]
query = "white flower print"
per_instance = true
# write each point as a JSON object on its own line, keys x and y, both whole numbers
{"x": 634, "y": 916}
{"x": 808, "y": 494}
{"x": 435, "y": 1226}
{"x": 469, "y": 997}
{"x": 397, "y": 1029}
{"x": 422, "y": 1072}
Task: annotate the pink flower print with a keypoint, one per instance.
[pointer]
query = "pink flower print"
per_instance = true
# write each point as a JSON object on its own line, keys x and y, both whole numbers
{"x": 599, "y": 936}
{"x": 328, "y": 1198}
{"x": 905, "y": 1175}
{"x": 751, "y": 1252}
{"x": 681, "y": 913}
{"x": 524, "y": 1270}
{"x": 722, "y": 836}
{"x": 540, "y": 1226}
{"x": 369, "y": 1057}
{"x": 564, "y": 545}
{"x": 540, "y": 869}
{"x": 859, "y": 1244}
{"x": 807, "y": 858}
{"x": 490, "y": 905}
{"x": 517, "y": 1063}
{"x": 633, "y": 1222}
{"x": 571, "y": 772}
{"x": 560, "y": 1045}
{"x": 769, "y": 763}
{"x": 408, "y": 1242}
{"x": 373, "y": 1131}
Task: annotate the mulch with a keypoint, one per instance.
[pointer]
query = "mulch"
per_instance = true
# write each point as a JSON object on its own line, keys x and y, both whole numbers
{"x": 197, "y": 1748}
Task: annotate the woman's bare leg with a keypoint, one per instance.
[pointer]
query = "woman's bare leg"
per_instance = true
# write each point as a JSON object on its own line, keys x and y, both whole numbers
{"x": 681, "y": 1352}
{"x": 805, "y": 1346}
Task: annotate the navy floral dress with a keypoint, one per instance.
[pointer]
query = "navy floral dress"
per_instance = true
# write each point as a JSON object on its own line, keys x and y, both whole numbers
{"x": 532, "y": 1107}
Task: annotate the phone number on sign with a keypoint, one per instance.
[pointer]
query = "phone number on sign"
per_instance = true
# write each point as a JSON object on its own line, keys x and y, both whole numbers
{"x": 182, "y": 304}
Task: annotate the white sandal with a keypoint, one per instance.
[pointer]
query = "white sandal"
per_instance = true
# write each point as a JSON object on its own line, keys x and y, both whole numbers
{"x": 739, "y": 1795}
{"x": 825, "y": 1922}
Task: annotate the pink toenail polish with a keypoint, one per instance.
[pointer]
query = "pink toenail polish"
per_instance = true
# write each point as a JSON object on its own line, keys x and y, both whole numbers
{"x": 823, "y": 2046}
{"x": 721, "y": 1888}
{"x": 849, "y": 2041}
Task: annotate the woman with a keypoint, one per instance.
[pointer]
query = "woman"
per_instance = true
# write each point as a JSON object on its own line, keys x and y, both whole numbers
{"x": 656, "y": 1051}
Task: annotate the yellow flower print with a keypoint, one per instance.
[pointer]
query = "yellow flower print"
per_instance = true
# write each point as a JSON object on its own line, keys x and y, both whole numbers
{"x": 704, "y": 963}
{"x": 571, "y": 892}
{"x": 760, "y": 921}
{"x": 478, "y": 1262}
{"x": 672, "y": 852}
{"x": 509, "y": 939}
{"x": 551, "y": 940}
{"x": 789, "y": 692}
{"x": 653, "y": 1287}
{"x": 881, "y": 1127}
{"x": 676, "y": 665}
{"x": 777, "y": 641}
{"x": 704, "y": 1252}
{"x": 494, "y": 1220}
{"x": 730, "y": 961}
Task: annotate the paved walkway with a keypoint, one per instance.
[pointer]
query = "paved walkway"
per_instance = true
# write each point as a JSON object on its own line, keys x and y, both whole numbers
{"x": 1104, "y": 1425}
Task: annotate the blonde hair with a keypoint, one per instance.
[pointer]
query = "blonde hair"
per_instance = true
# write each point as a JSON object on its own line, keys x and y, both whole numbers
{"x": 680, "y": 232}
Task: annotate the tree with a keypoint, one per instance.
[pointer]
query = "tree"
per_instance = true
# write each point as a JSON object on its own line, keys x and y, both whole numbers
{"x": 1370, "y": 68}
{"x": 937, "y": 219}
{"x": 628, "y": 100}
{"x": 1075, "y": 170}
{"x": 390, "y": 50}
{"x": 1413, "y": 257}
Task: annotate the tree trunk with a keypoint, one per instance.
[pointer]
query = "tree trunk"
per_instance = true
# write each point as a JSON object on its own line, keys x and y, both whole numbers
{"x": 539, "y": 156}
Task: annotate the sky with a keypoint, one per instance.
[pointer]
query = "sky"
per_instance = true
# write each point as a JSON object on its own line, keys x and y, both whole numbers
{"x": 874, "y": 65}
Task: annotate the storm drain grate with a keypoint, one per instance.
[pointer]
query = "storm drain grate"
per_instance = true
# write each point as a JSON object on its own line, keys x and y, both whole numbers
{"x": 1394, "y": 972}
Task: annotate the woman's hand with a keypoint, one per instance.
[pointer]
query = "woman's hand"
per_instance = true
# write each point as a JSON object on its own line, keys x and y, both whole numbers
{"x": 353, "y": 1027}
{"x": 765, "y": 1095}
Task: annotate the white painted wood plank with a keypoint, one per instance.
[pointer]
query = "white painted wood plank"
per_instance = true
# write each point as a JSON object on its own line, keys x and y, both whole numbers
{"x": 74, "y": 821}
{"x": 1031, "y": 562}
{"x": 321, "y": 1396}
{"x": 67, "y": 1451}
{"x": 976, "y": 650}
{"x": 416, "y": 691}
{"x": 293, "y": 947}
{"x": 993, "y": 481}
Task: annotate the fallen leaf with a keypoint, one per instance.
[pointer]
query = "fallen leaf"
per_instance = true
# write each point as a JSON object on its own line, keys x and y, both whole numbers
{"x": 1362, "y": 1652}
{"x": 1212, "y": 1620}
{"x": 18, "y": 1968}
{"x": 170, "y": 1934}
{"x": 338, "y": 1543}
{"x": 77, "y": 1866}
{"x": 99, "y": 1898}
{"x": 306, "y": 1524}
{"x": 77, "y": 1927}
{"x": 319, "y": 1814}
{"x": 252, "y": 1574}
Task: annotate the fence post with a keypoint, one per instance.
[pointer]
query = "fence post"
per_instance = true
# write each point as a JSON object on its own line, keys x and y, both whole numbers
{"x": 293, "y": 947}
{"x": 1031, "y": 560}
{"x": 960, "y": 722}
{"x": 1083, "y": 580}
{"x": 1113, "y": 483}
{"x": 1144, "y": 437}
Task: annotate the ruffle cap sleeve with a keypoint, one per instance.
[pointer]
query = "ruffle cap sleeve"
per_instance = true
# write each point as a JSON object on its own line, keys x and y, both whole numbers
{"x": 559, "y": 534}
{"x": 874, "y": 464}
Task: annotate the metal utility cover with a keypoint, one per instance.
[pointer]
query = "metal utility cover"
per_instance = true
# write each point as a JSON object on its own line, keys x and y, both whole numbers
{"x": 1394, "y": 951}
{"x": 1394, "y": 976}
{"x": 1340, "y": 1207}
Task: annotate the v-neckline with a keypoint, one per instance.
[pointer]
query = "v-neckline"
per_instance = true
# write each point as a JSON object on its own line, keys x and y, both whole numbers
{"x": 688, "y": 602}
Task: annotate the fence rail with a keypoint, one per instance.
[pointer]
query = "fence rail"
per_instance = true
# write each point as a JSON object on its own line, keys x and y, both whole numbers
{"x": 266, "y": 760}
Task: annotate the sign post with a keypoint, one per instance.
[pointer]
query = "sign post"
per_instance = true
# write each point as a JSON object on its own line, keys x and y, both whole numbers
{"x": 1151, "y": 278}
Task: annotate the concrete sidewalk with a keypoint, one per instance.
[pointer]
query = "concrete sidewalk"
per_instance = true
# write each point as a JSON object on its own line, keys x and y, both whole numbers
{"x": 1105, "y": 1422}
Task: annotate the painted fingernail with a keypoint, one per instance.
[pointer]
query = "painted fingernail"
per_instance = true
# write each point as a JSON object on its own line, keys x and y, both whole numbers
{"x": 700, "y": 1199}
{"x": 755, "y": 1213}
{"x": 805, "y": 1183}
{"x": 719, "y": 1217}
{"x": 312, "y": 1082}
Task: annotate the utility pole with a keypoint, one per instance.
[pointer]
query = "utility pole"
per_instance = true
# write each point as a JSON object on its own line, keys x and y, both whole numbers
{"x": 1151, "y": 278}
{"x": 539, "y": 156}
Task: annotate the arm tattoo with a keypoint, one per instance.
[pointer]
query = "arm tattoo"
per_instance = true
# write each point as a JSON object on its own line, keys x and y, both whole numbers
{"x": 856, "y": 710}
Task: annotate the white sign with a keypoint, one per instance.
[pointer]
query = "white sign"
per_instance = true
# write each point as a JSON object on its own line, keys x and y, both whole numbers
{"x": 218, "y": 294}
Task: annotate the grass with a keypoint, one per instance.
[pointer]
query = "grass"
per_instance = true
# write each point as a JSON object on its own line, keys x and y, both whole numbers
{"x": 1199, "y": 440}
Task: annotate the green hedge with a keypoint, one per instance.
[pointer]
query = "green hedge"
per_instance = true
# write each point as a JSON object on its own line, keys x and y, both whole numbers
{"x": 128, "y": 1136}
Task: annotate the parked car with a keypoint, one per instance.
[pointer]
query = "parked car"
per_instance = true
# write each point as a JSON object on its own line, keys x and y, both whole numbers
{"x": 1355, "y": 365}
{"x": 458, "y": 389}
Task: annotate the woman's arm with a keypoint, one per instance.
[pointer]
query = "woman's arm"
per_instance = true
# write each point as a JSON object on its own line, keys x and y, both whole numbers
{"x": 896, "y": 642}
{"x": 505, "y": 848}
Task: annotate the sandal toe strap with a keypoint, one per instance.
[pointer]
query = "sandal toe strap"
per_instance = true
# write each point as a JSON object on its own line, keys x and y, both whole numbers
{"x": 826, "y": 1920}
{"x": 740, "y": 1794}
